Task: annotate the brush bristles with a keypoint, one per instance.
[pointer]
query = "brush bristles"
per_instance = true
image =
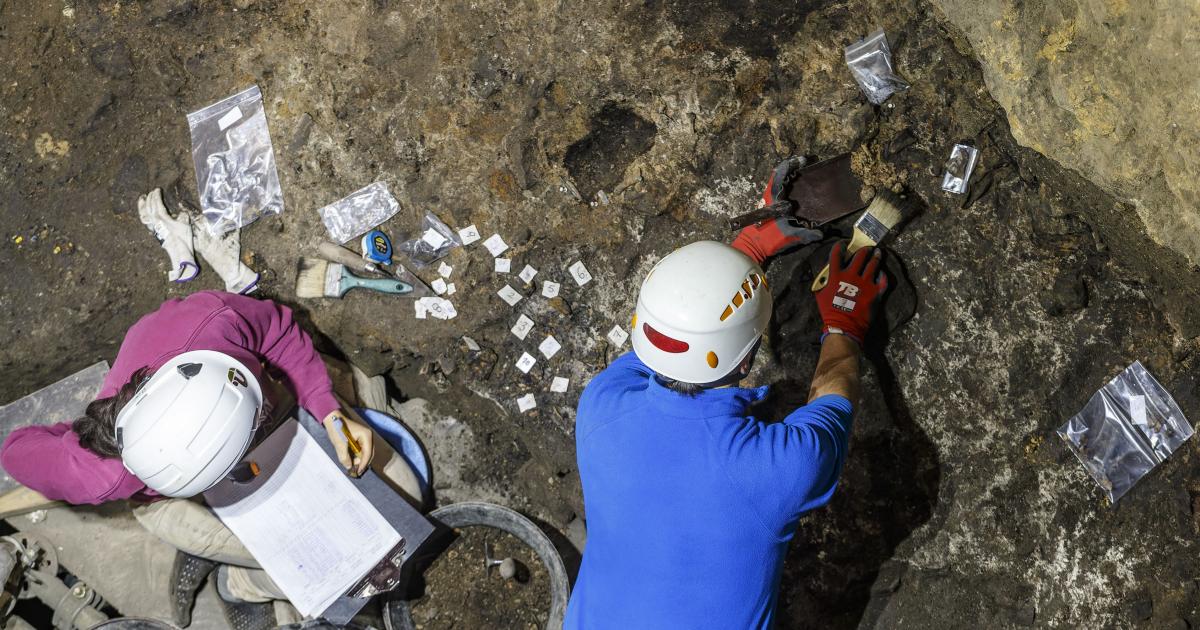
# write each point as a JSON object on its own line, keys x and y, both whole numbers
{"x": 873, "y": 226}
{"x": 310, "y": 278}
{"x": 885, "y": 207}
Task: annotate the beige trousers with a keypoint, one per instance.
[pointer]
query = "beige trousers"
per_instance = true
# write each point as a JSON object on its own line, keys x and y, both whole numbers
{"x": 191, "y": 527}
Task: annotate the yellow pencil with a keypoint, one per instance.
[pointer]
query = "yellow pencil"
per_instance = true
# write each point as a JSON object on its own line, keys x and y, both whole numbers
{"x": 354, "y": 448}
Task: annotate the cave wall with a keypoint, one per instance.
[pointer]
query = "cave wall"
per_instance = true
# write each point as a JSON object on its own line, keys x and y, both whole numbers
{"x": 1106, "y": 88}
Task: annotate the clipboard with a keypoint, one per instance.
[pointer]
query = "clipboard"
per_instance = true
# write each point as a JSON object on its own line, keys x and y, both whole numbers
{"x": 413, "y": 528}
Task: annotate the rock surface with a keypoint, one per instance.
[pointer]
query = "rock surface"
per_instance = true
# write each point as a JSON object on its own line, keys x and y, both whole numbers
{"x": 1106, "y": 88}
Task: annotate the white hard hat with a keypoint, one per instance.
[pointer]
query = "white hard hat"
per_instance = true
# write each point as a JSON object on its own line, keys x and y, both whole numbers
{"x": 191, "y": 423}
{"x": 701, "y": 310}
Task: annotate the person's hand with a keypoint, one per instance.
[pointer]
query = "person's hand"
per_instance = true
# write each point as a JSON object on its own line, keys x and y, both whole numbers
{"x": 763, "y": 240}
{"x": 846, "y": 300}
{"x": 354, "y": 464}
{"x": 768, "y": 238}
{"x": 781, "y": 180}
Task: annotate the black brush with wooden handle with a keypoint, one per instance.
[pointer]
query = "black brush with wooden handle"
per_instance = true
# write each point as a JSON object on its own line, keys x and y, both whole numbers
{"x": 881, "y": 216}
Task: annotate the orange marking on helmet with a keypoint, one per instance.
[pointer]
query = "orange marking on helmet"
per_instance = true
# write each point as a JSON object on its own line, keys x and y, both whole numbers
{"x": 746, "y": 289}
{"x": 737, "y": 300}
{"x": 712, "y": 359}
{"x": 727, "y": 313}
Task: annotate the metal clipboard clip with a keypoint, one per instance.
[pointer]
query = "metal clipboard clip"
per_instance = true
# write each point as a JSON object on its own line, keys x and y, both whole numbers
{"x": 384, "y": 576}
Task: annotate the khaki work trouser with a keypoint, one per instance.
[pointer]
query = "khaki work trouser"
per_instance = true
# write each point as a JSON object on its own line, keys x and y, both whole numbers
{"x": 191, "y": 527}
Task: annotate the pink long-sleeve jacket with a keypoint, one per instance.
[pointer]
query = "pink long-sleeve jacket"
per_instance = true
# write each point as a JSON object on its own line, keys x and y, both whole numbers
{"x": 50, "y": 460}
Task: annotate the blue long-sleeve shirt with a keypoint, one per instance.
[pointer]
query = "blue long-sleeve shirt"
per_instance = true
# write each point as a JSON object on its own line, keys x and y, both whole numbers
{"x": 691, "y": 503}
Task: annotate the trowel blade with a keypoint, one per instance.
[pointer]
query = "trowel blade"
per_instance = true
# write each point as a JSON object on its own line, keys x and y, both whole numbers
{"x": 827, "y": 191}
{"x": 420, "y": 289}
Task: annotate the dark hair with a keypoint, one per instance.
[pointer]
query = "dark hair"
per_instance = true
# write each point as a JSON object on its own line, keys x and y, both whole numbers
{"x": 97, "y": 428}
{"x": 687, "y": 389}
{"x": 694, "y": 389}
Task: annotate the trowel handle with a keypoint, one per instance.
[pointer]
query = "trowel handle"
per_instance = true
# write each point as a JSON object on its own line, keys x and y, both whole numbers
{"x": 763, "y": 214}
{"x": 335, "y": 253}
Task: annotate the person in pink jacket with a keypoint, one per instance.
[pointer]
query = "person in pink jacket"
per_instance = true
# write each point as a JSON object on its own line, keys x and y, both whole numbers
{"x": 80, "y": 462}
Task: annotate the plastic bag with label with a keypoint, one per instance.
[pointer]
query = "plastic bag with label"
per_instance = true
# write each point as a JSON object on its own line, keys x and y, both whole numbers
{"x": 1126, "y": 429}
{"x": 433, "y": 241}
{"x": 235, "y": 162}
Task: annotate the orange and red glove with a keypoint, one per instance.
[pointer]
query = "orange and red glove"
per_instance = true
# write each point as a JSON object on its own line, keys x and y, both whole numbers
{"x": 765, "y": 239}
{"x": 847, "y": 299}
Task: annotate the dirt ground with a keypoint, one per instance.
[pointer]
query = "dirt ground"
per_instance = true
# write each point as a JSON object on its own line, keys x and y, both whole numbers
{"x": 461, "y": 591}
{"x": 958, "y": 506}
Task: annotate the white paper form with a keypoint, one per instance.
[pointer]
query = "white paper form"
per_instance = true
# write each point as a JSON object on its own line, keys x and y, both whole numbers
{"x": 303, "y": 520}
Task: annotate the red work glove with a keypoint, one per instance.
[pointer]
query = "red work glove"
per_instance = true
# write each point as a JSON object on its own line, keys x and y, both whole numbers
{"x": 765, "y": 239}
{"x": 781, "y": 180}
{"x": 845, "y": 302}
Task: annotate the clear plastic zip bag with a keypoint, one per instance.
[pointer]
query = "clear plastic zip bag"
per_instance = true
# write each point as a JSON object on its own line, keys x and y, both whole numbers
{"x": 359, "y": 212}
{"x": 870, "y": 60}
{"x": 1128, "y": 427}
{"x": 434, "y": 241}
{"x": 958, "y": 168}
{"x": 235, "y": 162}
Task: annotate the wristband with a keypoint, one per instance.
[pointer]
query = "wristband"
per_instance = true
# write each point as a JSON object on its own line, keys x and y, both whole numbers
{"x": 829, "y": 330}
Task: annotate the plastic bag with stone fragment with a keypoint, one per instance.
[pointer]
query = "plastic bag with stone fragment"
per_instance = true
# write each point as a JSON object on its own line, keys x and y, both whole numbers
{"x": 959, "y": 167}
{"x": 235, "y": 162}
{"x": 870, "y": 60}
{"x": 434, "y": 240}
{"x": 1126, "y": 429}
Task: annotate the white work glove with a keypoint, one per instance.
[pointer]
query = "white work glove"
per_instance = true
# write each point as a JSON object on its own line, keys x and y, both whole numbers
{"x": 175, "y": 235}
{"x": 224, "y": 256}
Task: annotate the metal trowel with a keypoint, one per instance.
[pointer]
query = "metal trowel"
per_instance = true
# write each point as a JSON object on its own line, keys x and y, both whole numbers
{"x": 420, "y": 289}
{"x": 823, "y": 192}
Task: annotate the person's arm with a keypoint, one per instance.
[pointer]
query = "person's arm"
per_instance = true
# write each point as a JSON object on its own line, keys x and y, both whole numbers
{"x": 807, "y": 450}
{"x": 845, "y": 303}
{"x": 837, "y": 369}
{"x": 791, "y": 467}
{"x": 272, "y": 332}
{"x": 50, "y": 460}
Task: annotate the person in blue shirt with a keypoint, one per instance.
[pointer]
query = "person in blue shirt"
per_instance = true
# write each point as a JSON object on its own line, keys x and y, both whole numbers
{"x": 691, "y": 502}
